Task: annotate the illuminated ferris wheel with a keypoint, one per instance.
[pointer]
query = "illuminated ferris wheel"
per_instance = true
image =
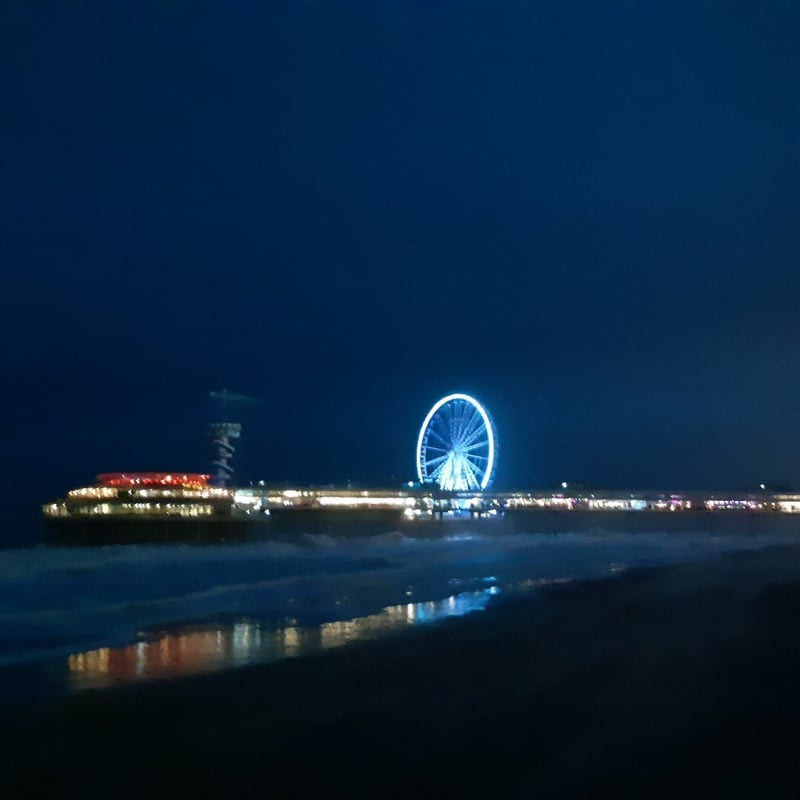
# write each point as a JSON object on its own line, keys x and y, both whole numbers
{"x": 456, "y": 445}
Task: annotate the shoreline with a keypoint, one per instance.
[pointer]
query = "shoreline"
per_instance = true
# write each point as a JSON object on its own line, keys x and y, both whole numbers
{"x": 662, "y": 680}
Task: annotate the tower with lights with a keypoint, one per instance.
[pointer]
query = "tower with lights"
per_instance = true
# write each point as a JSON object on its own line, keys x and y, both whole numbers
{"x": 223, "y": 433}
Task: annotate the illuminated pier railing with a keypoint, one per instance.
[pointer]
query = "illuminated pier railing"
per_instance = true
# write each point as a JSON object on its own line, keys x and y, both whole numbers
{"x": 668, "y": 502}
{"x": 420, "y": 502}
{"x": 153, "y": 510}
{"x": 153, "y": 495}
{"x": 331, "y": 498}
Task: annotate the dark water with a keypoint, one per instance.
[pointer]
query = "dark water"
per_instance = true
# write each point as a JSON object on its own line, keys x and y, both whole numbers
{"x": 111, "y": 662}
{"x": 77, "y": 618}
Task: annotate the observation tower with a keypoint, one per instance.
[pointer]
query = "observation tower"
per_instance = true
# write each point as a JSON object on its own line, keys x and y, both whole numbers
{"x": 222, "y": 433}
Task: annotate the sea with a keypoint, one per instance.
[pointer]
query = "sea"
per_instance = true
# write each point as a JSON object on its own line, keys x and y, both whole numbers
{"x": 77, "y": 619}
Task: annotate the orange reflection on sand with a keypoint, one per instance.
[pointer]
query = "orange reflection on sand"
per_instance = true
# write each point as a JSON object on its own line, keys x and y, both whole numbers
{"x": 170, "y": 655}
{"x": 193, "y": 650}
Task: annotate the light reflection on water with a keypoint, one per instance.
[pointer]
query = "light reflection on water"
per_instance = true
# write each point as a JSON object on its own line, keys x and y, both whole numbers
{"x": 197, "y": 649}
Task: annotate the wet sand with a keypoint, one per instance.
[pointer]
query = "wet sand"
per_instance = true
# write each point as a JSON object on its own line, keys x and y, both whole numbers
{"x": 678, "y": 681}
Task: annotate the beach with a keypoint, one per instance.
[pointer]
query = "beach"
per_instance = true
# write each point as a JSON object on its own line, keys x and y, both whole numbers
{"x": 678, "y": 680}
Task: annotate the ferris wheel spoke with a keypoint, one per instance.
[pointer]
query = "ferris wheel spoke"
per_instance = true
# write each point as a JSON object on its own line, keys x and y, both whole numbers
{"x": 478, "y": 470}
{"x": 467, "y": 416}
{"x": 478, "y": 432}
{"x": 456, "y": 423}
{"x": 438, "y": 471}
{"x": 473, "y": 430}
{"x": 437, "y": 448}
{"x": 453, "y": 431}
{"x": 459, "y": 474}
{"x": 473, "y": 481}
{"x": 440, "y": 437}
{"x": 472, "y": 416}
{"x": 452, "y": 422}
{"x": 444, "y": 474}
{"x": 431, "y": 461}
{"x": 476, "y": 446}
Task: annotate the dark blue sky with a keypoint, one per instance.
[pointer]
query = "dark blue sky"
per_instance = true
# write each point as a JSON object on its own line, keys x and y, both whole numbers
{"x": 584, "y": 213}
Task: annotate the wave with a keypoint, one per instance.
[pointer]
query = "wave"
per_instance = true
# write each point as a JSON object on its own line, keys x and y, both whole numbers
{"x": 65, "y": 597}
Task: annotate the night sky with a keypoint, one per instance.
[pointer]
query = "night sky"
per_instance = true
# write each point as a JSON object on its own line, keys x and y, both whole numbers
{"x": 584, "y": 213}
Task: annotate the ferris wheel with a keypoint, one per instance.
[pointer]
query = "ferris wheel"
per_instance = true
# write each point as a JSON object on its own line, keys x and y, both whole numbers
{"x": 456, "y": 445}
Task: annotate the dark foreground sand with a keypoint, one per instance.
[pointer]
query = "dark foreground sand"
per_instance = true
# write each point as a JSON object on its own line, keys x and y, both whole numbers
{"x": 676, "y": 682}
